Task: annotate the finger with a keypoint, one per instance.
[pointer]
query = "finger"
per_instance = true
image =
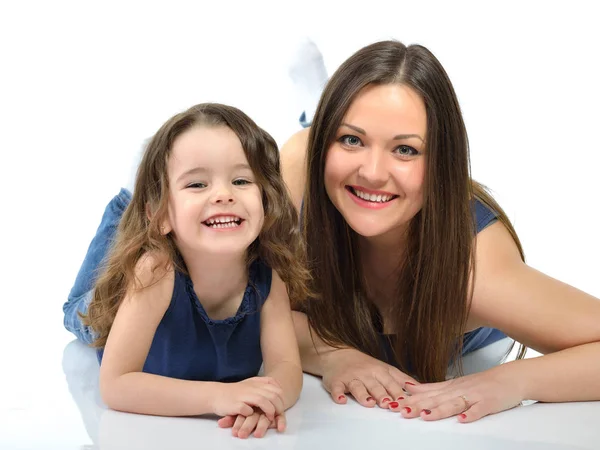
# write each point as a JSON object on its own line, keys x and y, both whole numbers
{"x": 262, "y": 426}
{"x": 281, "y": 423}
{"x": 413, "y": 388}
{"x": 226, "y": 422}
{"x": 338, "y": 391}
{"x": 360, "y": 393}
{"x": 248, "y": 426}
{"x": 275, "y": 399}
{"x": 475, "y": 412}
{"x": 400, "y": 377}
{"x": 391, "y": 386}
{"x": 377, "y": 391}
{"x": 239, "y": 421}
{"x": 264, "y": 404}
{"x": 440, "y": 408}
{"x": 244, "y": 409}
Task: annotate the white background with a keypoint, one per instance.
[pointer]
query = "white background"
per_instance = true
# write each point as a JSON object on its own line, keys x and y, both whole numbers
{"x": 83, "y": 84}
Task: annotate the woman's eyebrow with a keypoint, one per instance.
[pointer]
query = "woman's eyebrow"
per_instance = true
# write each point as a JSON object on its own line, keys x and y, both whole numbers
{"x": 397, "y": 137}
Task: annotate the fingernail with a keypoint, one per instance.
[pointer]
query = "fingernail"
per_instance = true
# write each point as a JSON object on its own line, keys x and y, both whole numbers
{"x": 400, "y": 398}
{"x": 341, "y": 397}
{"x": 427, "y": 411}
{"x": 386, "y": 400}
{"x": 407, "y": 409}
{"x": 408, "y": 382}
{"x": 394, "y": 404}
{"x": 462, "y": 416}
{"x": 369, "y": 399}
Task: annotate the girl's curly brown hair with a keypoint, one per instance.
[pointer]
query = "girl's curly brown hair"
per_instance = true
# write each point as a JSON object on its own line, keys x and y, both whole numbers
{"x": 279, "y": 243}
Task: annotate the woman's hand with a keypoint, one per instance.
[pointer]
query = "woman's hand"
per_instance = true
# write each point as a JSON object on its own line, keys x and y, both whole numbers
{"x": 257, "y": 424}
{"x": 470, "y": 397}
{"x": 367, "y": 379}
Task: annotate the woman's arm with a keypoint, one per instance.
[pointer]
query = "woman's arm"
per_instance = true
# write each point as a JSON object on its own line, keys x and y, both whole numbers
{"x": 539, "y": 311}
{"x": 346, "y": 370}
{"x": 542, "y": 313}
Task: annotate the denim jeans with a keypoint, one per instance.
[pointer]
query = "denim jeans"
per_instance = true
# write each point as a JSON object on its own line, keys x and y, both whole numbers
{"x": 82, "y": 292}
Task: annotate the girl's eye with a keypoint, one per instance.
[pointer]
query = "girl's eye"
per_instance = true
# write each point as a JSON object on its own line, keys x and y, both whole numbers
{"x": 350, "y": 140}
{"x": 196, "y": 185}
{"x": 241, "y": 182}
{"x": 406, "y": 150}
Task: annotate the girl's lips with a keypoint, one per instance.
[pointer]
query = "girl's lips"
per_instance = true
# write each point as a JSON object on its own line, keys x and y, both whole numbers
{"x": 370, "y": 191}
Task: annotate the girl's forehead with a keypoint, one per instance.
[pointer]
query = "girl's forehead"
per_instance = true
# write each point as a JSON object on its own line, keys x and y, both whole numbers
{"x": 209, "y": 147}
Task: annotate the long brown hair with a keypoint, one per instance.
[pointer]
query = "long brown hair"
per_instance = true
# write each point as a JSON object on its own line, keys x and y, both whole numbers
{"x": 433, "y": 284}
{"x": 279, "y": 243}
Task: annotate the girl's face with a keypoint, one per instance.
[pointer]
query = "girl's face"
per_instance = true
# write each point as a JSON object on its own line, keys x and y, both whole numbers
{"x": 375, "y": 168}
{"x": 215, "y": 205}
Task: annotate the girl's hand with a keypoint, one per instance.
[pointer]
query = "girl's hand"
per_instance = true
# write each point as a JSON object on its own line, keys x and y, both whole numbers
{"x": 370, "y": 381}
{"x": 258, "y": 423}
{"x": 241, "y": 398}
{"x": 470, "y": 397}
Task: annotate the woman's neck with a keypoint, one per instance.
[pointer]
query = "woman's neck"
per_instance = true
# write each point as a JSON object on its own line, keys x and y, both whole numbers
{"x": 381, "y": 258}
{"x": 219, "y": 283}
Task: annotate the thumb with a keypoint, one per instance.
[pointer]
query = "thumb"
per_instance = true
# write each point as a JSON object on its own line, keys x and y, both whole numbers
{"x": 244, "y": 409}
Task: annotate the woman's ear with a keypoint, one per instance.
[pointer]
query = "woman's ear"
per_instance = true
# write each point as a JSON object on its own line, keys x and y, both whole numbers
{"x": 165, "y": 226}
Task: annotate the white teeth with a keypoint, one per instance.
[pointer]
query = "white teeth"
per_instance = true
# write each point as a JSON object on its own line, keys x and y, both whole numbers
{"x": 378, "y": 198}
{"x": 224, "y": 222}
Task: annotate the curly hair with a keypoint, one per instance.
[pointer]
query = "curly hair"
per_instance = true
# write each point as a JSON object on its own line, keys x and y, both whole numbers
{"x": 279, "y": 243}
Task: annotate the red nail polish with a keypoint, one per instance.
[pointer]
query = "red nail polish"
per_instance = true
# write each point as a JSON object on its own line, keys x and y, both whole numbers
{"x": 407, "y": 409}
{"x": 394, "y": 404}
{"x": 408, "y": 382}
{"x": 427, "y": 411}
{"x": 341, "y": 397}
{"x": 386, "y": 400}
{"x": 462, "y": 416}
{"x": 369, "y": 399}
{"x": 400, "y": 398}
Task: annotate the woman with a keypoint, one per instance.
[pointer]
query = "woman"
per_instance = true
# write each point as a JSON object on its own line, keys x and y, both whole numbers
{"x": 415, "y": 264}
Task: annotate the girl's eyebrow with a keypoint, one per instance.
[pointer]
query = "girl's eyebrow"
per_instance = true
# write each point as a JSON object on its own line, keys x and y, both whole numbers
{"x": 193, "y": 171}
{"x": 397, "y": 137}
{"x": 204, "y": 170}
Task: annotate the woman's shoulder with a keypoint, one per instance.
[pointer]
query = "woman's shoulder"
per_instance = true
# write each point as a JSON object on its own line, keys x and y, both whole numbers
{"x": 293, "y": 165}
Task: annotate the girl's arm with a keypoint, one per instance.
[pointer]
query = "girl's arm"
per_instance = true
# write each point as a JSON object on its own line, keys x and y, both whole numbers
{"x": 125, "y": 387}
{"x": 278, "y": 342}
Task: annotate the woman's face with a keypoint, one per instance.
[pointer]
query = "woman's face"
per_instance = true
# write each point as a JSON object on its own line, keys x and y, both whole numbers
{"x": 375, "y": 168}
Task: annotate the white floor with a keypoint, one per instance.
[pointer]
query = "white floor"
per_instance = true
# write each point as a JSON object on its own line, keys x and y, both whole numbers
{"x": 60, "y": 408}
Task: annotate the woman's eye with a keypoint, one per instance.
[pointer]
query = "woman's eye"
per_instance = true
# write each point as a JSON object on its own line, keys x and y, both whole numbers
{"x": 405, "y": 150}
{"x": 349, "y": 140}
{"x": 241, "y": 182}
{"x": 196, "y": 185}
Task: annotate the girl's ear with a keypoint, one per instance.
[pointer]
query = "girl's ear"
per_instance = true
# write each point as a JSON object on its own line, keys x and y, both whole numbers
{"x": 165, "y": 226}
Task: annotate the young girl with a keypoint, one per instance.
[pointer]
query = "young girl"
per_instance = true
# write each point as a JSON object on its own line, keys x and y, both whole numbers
{"x": 190, "y": 299}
